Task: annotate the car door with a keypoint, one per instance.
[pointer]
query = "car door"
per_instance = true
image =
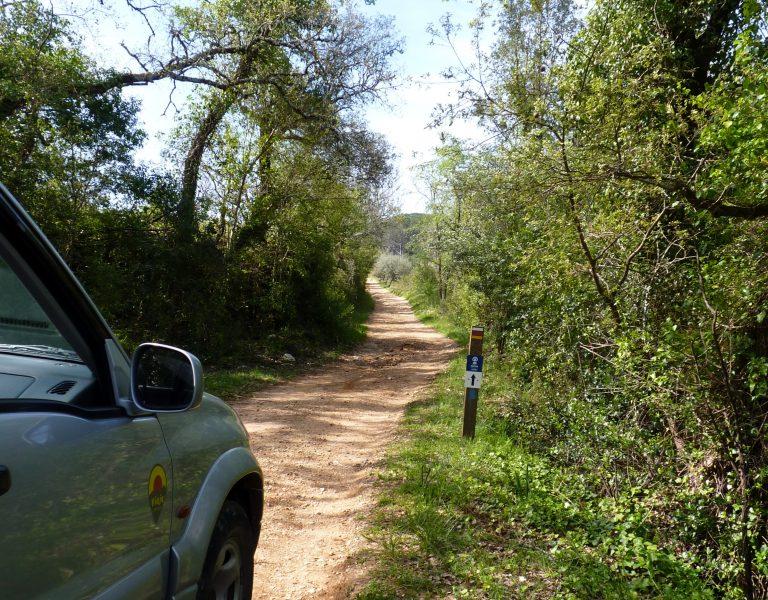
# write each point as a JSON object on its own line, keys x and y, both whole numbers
{"x": 84, "y": 484}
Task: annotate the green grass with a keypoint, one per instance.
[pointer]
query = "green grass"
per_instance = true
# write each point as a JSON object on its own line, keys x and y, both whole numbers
{"x": 357, "y": 330}
{"x": 233, "y": 383}
{"x": 488, "y": 519}
{"x": 437, "y": 529}
{"x": 230, "y": 384}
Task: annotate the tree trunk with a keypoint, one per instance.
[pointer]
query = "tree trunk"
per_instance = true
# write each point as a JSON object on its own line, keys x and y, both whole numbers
{"x": 191, "y": 173}
{"x": 208, "y": 125}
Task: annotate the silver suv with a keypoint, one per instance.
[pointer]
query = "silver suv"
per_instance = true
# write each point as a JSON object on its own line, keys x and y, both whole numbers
{"x": 119, "y": 478}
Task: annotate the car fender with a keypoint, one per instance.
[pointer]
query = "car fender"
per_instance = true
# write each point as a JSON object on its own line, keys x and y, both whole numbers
{"x": 189, "y": 551}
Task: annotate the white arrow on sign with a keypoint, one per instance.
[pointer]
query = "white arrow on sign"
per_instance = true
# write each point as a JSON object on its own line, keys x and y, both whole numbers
{"x": 472, "y": 379}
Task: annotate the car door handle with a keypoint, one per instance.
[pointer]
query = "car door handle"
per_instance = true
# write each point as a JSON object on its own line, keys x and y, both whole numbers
{"x": 5, "y": 479}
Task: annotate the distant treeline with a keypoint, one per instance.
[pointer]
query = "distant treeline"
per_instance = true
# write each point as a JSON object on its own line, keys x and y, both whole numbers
{"x": 259, "y": 230}
{"x": 399, "y": 232}
{"x": 612, "y": 234}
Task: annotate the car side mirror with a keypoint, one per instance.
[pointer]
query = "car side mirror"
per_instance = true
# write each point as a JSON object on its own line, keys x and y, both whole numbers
{"x": 165, "y": 379}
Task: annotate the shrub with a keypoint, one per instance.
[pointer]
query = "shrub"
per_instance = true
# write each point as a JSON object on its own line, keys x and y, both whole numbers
{"x": 392, "y": 267}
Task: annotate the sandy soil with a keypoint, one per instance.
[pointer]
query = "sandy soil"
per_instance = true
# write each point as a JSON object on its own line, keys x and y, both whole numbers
{"x": 319, "y": 439}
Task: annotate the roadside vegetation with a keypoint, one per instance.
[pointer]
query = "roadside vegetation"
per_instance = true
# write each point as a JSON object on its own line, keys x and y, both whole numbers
{"x": 240, "y": 381}
{"x": 612, "y": 235}
{"x": 391, "y": 267}
{"x": 256, "y": 235}
{"x": 492, "y": 518}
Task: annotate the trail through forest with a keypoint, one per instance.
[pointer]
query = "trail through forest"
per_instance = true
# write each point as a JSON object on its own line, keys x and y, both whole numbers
{"x": 319, "y": 439}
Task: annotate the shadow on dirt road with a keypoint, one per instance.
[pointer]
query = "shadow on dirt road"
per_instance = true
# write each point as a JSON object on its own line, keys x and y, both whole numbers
{"x": 320, "y": 437}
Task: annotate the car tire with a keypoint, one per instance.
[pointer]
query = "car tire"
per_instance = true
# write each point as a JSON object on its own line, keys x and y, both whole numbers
{"x": 228, "y": 569}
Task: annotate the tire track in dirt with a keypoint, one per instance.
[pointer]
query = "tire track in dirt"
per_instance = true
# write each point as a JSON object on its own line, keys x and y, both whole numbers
{"x": 319, "y": 439}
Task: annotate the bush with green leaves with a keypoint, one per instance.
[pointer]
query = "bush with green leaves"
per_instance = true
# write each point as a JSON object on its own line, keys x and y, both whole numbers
{"x": 391, "y": 267}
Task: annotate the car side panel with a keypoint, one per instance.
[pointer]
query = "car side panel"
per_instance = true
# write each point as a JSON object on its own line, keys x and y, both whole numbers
{"x": 189, "y": 593}
{"x": 142, "y": 583}
{"x": 196, "y": 439}
{"x": 188, "y": 553}
{"x": 77, "y": 517}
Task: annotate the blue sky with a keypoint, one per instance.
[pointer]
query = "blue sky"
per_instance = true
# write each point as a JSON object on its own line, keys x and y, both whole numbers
{"x": 403, "y": 119}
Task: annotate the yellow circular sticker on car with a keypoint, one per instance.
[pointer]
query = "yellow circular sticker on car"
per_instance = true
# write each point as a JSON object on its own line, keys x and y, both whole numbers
{"x": 158, "y": 485}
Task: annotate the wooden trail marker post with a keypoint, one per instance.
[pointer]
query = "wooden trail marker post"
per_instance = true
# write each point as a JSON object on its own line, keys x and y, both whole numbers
{"x": 473, "y": 378}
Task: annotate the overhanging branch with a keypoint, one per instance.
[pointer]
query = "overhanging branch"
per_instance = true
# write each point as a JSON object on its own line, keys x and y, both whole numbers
{"x": 717, "y": 208}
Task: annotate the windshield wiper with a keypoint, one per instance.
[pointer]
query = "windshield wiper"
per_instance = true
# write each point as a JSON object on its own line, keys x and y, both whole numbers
{"x": 40, "y": 350}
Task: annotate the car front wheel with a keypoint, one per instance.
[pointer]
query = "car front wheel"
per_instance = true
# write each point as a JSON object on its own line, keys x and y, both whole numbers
{"x": 228, "y": 570}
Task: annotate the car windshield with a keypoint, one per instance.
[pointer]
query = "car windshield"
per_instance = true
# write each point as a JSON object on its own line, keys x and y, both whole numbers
{"x": 24, "y": 327}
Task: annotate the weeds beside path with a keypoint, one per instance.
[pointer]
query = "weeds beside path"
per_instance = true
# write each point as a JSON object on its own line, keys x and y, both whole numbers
{"x": 488, "y": 519}
{"x": 233, "y": 384}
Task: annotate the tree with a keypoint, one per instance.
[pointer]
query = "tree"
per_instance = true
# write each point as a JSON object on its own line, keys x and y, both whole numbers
{"x": 621, "y": 253}
{"x": 279, "y": 235}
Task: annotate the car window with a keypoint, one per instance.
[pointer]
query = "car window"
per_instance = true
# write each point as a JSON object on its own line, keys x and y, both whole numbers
{"x": 25, "y": 329}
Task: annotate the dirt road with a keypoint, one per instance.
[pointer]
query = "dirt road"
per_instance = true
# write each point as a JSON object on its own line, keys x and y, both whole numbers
{"x": 319, "y": 439}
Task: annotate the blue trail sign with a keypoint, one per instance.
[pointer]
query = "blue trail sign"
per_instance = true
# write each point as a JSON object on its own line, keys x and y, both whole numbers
{"x": 474, "y": 363}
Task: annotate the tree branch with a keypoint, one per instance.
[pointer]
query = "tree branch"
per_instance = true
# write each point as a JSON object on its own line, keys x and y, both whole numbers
{"x": 716, "y": 208}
